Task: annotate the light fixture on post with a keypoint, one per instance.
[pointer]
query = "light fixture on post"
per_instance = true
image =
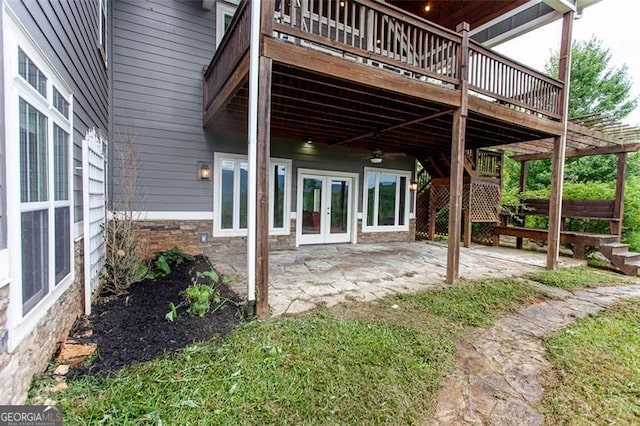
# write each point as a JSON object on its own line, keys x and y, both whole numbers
{"x": 413, "y": 186}
{"x": 204, "y": 170}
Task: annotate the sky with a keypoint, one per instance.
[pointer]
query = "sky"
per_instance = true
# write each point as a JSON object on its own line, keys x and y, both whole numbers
{"x": 615, "y": 22}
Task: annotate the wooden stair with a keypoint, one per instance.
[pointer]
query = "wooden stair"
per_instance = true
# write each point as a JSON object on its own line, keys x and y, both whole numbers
{"x": 620, "y": 256}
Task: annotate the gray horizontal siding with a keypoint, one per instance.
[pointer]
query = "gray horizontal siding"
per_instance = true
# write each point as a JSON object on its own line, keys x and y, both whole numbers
{"x": 67, "y": 31}
{"x": 159, "y": 50}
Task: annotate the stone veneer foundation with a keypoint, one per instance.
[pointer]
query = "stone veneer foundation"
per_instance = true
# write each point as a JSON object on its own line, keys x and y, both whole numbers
{"x": 32, "y": 355}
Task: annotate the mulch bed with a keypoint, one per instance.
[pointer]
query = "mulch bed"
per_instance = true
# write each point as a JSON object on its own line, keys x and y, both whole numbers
{"x": 133, "y": 328}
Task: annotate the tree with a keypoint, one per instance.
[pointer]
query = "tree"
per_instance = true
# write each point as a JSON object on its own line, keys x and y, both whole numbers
{"x": 596, "y": 86}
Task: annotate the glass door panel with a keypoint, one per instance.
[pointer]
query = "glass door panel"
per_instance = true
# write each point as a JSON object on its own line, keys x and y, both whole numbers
{"x": 339, "y": 229}
{"x": 312, "y": 205}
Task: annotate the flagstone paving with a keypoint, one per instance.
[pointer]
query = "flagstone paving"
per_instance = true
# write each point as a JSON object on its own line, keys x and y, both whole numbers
{"x": 497, "y": 380}
{"x": 301, "y": 278}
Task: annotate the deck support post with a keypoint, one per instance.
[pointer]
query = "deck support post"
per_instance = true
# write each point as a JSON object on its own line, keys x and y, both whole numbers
{"x": 258, "y": 150}
{"x": 457, "y": 162}
{"x": 559, "y": 146}
{"x": 524, "y": 171}
{"x": 262, "y": 193}
{"x": 615, "y": 227}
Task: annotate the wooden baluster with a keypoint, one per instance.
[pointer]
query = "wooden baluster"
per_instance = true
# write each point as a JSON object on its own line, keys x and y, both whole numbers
{"x": 292, "y": 12}
{"x": 320, "y": 13}
{"x": 345, "y": 24}
{"x": 303, "y": 14}
{"x": 353, "y": 24}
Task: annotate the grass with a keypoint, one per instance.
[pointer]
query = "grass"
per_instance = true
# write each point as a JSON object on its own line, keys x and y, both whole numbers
{"x": 378, "y": 363}
{"x": 598, "y": 369}
{"x": 574, "y": 278}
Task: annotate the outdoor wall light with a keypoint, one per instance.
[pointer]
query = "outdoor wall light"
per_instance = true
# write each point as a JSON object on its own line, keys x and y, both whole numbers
{"x": 204, "y": 171}
{"x": 309, "y": 141}
{"x": 413, "y": 186}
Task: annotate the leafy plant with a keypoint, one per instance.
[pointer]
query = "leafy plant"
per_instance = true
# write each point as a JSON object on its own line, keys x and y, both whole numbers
{"x": 198, "y": 299}
{"x": 199, "y": 295}
{"x": 166, "y": 259}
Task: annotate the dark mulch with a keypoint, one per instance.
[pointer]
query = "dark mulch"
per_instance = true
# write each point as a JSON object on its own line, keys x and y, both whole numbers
{"x": 133, "y": 328}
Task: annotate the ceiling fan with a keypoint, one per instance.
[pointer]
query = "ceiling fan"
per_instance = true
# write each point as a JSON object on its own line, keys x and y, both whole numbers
{"x": 377, "y": 155}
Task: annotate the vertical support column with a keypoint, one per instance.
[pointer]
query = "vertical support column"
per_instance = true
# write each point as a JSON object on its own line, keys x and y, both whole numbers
{"x": 618, "y": 208}
{"x": 524, "y": 170}
{"x": 252, "y": 137}
{"x": 559, "y": 146}
{"x": 457, "y": 162}
{"x": 262, "y": 187}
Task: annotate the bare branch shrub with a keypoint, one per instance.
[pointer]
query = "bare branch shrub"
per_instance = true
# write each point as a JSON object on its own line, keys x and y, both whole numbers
{"x": 124, "y": 263}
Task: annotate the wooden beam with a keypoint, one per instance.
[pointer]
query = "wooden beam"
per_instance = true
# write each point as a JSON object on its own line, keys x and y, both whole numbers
{"x": 262, "y": 190}
{"x": 559, "y": 147}
{"x": 499, "y": 112}
{"x": 455, "y": 196}
{"x": 233, "y": 84}
{"x": 337, "y": 67}
{"x": 600, "y": 150}
{"x": 397, "y": 126}
{"x": 618, "y": 207}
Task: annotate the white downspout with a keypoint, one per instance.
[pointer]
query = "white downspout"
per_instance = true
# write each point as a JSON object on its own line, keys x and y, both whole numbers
{"x": 254, "y": 56}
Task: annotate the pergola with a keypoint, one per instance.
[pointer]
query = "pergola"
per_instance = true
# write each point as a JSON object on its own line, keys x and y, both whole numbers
{"x": 594, "y": 134}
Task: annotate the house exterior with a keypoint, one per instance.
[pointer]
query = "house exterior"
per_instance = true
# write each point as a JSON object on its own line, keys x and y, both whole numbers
{"x": 349, "y": 96}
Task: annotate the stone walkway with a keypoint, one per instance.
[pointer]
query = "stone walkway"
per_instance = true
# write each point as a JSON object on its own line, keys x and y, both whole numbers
{"x": 497, "y": 380}
{"x": 301, "y": 278}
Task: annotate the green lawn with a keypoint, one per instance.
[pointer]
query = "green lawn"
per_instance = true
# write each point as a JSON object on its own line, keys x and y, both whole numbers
{"x": 377, "y": 363}
{"x": 597, "y": 365}
{"x": 574, "y": 278}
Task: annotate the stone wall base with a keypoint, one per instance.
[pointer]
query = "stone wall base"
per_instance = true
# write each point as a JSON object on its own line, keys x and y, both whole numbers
{"x": 31, "y": 356}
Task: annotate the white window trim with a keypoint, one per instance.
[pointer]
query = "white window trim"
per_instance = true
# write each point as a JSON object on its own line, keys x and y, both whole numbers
{"x": 102, "y": 31}
{"x": 218, "y": 157}
{"x": 223, "y": 9}
{"x": 365, "y": 200}
{"x": 16, "y": 35}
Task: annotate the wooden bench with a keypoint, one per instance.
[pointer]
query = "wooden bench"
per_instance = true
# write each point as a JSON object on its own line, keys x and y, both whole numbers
{"x": 575, "y": 209}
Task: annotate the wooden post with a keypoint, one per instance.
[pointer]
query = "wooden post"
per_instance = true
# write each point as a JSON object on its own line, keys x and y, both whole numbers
{"x": 457, "y": 162}
{"x": 523, "y": 187}
{"x": 467, "y": 227}
{"x": 262, "y": 190}
{"x": 559, "y": 146}
{"x": 618, "y": 209}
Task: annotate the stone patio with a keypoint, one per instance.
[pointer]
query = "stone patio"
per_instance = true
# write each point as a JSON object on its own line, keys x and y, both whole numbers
{"x": 301, "y": 278}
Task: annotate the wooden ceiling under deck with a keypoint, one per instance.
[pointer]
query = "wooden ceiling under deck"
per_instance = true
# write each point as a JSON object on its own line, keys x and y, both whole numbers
{"x": 449, "y": 13}
{"x": 330, "y": 111}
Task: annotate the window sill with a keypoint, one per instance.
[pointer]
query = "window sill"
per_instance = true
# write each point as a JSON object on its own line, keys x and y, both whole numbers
{"x": 367, "y": 229}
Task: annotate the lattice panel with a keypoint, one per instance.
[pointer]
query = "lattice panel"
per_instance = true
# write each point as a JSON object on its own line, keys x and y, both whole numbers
{"x": 422, "y": 216}
{"x": 442, "y": 221}
{"x": 485, "y": 202}
{"x": 439, "y": 196}
{"x": 482, "y": 233}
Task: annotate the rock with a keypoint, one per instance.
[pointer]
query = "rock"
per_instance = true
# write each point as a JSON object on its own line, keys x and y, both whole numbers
{"x": 74, "y": 354}
{"x": 61, "y": 370}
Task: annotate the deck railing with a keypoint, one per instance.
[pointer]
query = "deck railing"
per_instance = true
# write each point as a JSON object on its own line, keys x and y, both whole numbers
{"x": 499, "y": 78}
{"x": 230, "y": 51}
{"x": 386, "y": 37}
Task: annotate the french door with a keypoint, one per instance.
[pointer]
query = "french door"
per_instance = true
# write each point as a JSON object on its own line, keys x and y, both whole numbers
{"x": 325, "y": 204}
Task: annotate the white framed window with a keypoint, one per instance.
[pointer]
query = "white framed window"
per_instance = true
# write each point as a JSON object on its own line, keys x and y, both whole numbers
{"x": 231, "y": 177}
{"x": 224, "y": 16}
{"x": 38, "y": 128}
{"x": 386, "y": 200}
{"x": 103, "y": 26}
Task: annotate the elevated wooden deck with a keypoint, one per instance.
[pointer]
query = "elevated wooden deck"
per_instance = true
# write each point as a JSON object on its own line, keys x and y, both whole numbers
{"x": 348, "y": 72}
